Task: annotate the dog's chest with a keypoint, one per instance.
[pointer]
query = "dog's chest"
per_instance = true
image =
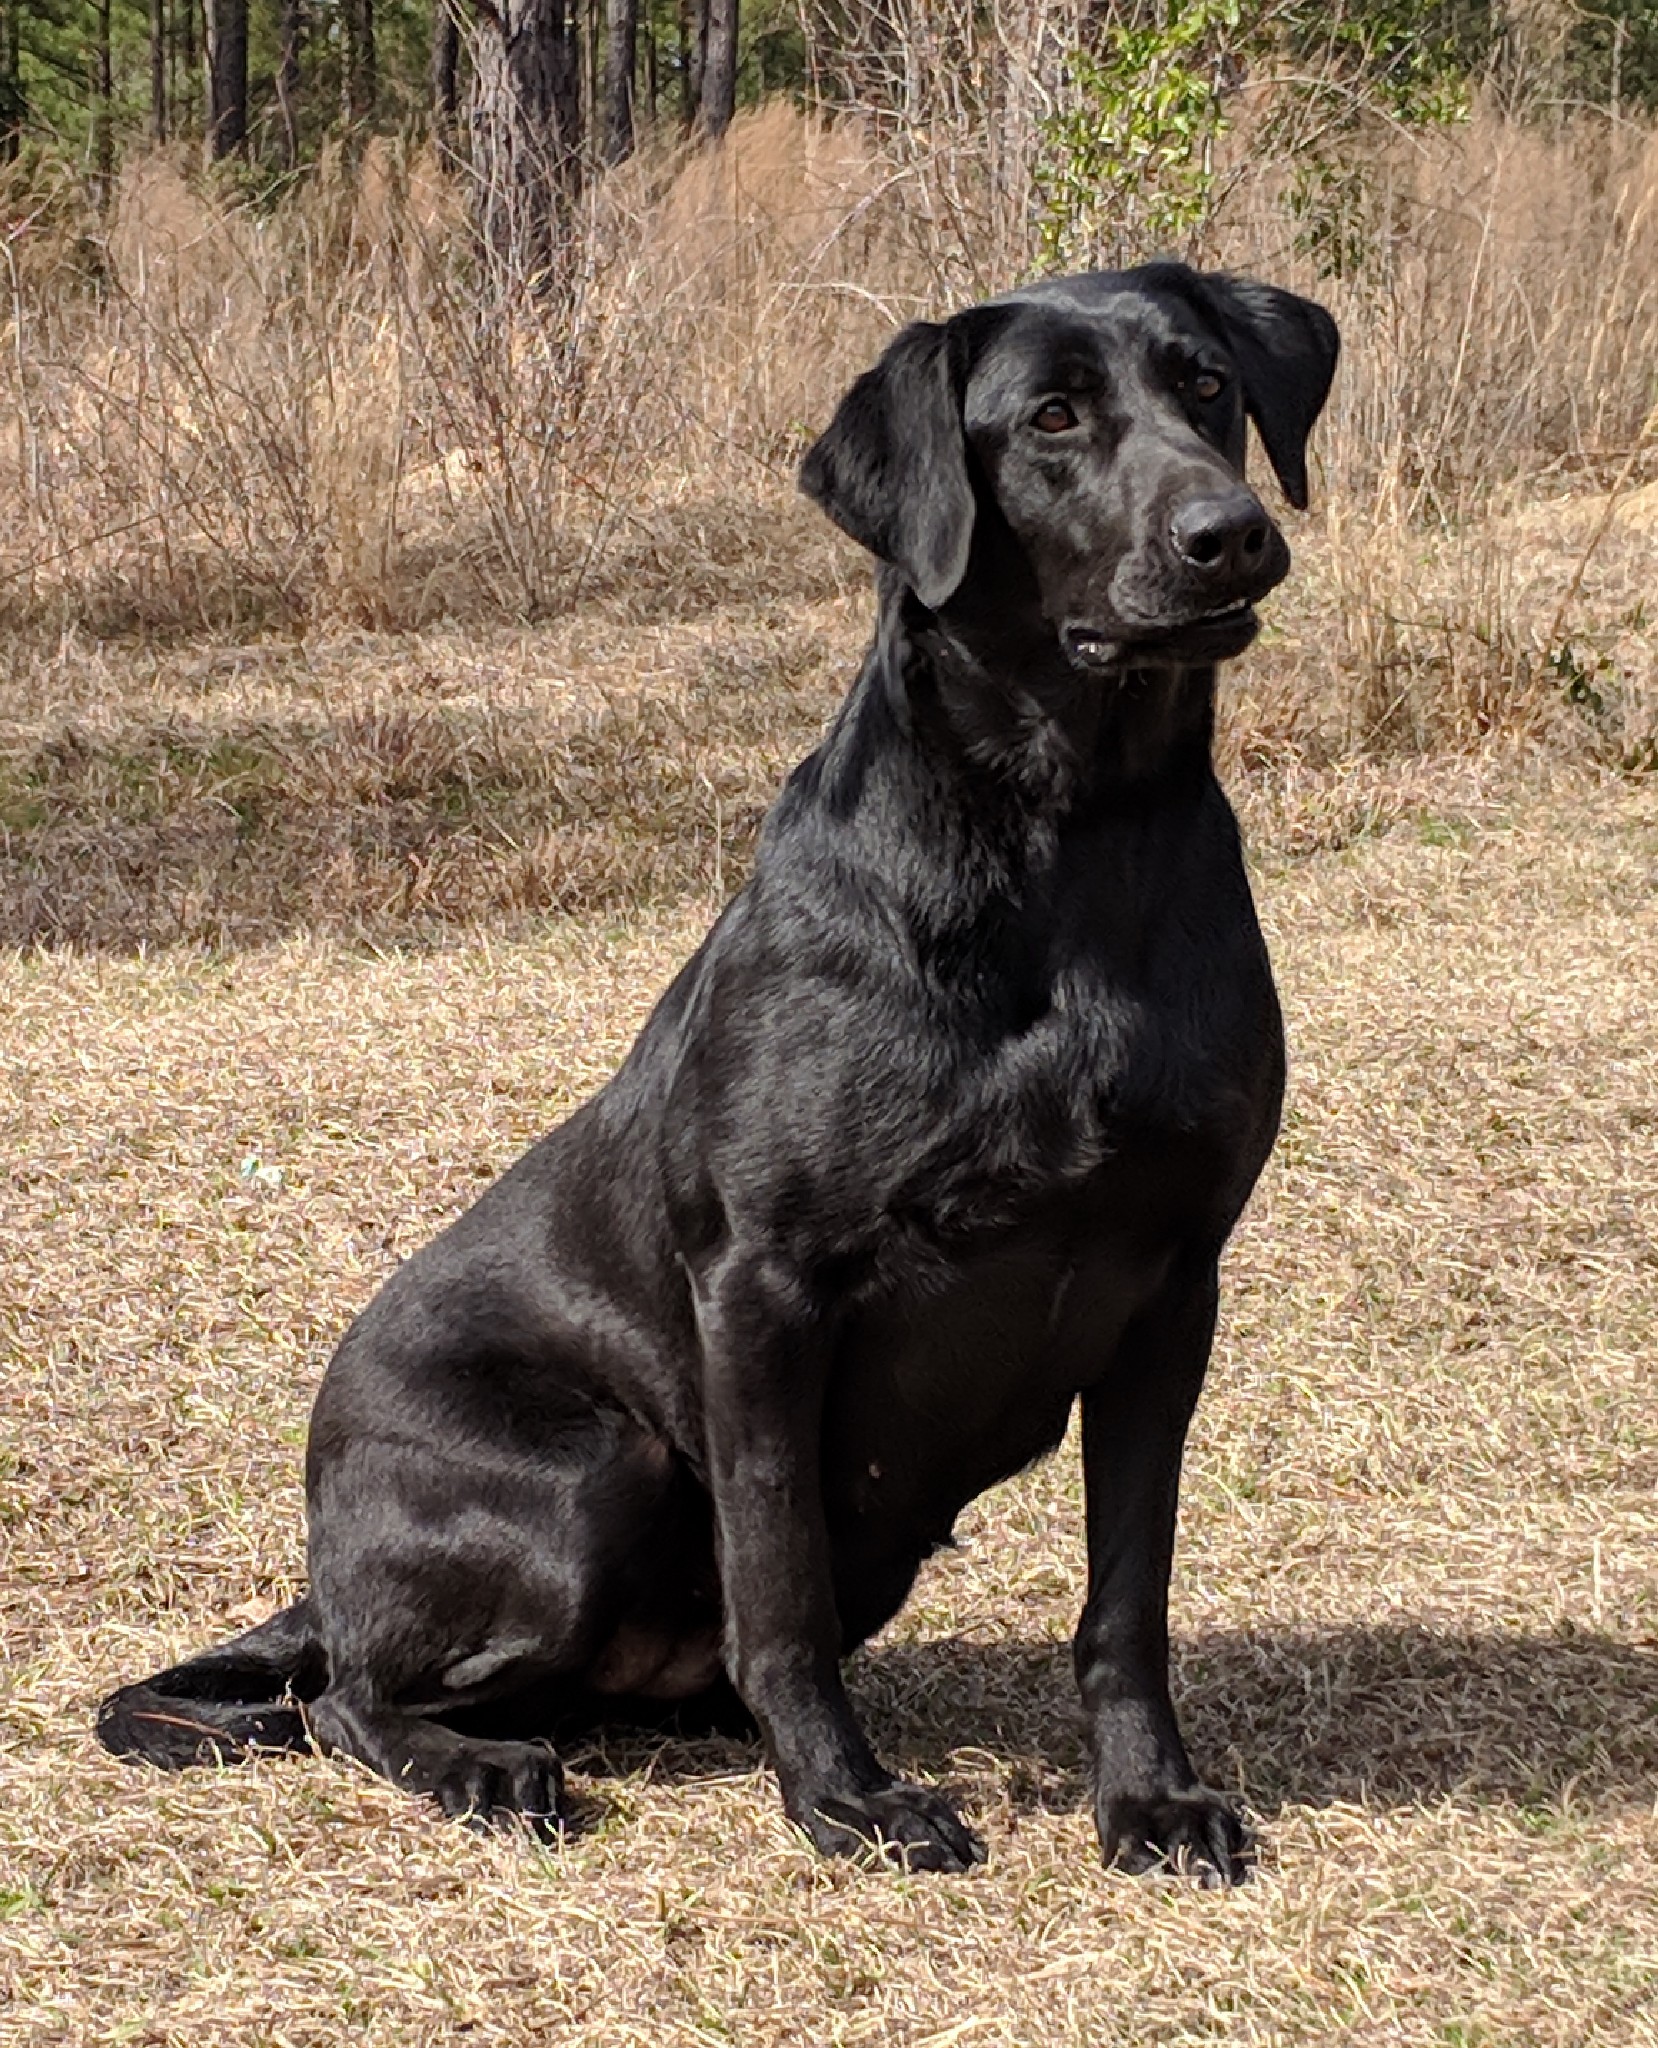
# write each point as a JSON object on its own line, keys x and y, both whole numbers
{"x": 1117, "y": 1099}
{"x": 1047, "y": 1216}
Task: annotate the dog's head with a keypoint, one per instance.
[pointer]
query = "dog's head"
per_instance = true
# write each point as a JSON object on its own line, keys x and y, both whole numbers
{"x": 1094, "y": 426}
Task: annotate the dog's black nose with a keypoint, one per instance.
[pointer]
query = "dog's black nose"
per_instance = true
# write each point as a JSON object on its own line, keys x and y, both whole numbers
{"x": 1225, "y": 537}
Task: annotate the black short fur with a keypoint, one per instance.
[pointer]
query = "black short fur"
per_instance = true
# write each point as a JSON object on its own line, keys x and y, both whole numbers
{"x": 939, "y": 1134}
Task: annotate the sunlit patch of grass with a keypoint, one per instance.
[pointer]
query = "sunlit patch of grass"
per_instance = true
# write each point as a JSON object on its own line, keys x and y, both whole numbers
{"x": 1415, "y": 1596}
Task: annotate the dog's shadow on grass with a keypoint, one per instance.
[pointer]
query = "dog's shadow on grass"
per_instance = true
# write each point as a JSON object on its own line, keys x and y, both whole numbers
{"x": 1393, "y": 1715}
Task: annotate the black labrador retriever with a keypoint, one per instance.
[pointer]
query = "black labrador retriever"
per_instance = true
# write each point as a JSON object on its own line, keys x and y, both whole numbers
{"x": 941, "y": 1130}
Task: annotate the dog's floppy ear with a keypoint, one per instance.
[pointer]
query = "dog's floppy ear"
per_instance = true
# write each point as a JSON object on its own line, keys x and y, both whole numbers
{"x": 891, "y": 467}
{"x": 1286, "y": 348}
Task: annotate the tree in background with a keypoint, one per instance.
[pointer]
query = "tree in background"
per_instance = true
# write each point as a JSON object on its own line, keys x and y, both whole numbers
{"x": 227, "y": 77}
{"x": 360, "y": 80}
{"x": 158, "y": 70}
{"x": 14, "y": 105}
{"x": 621, "y": 58}
{"x": 446, "y": 72}
{"x": 526, "y": 132}
{"x": 718, "y": 100}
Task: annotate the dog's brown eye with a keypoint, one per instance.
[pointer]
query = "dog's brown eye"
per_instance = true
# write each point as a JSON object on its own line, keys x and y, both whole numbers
{"x": 1055, "y": 417}
{"x": 1208, "y": 386}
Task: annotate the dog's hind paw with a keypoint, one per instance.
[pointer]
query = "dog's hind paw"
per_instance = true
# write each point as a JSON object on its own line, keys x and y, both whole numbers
{"x": 1196, "y": 1833}
{"x": 906, "y": 1825}
{"x": 494, "y": 1784}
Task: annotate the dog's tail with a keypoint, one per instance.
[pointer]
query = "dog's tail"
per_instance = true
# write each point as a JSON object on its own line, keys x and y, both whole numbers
{"x": 218, "y": 1707}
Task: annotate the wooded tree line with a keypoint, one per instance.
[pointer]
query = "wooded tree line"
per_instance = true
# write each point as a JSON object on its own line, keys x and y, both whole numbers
{"x": 277, "y": 78}
{"x": 534, "y": 96}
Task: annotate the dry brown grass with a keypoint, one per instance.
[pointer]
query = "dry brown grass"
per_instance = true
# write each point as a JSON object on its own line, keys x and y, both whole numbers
{"x": 1416, "y": 1600}
{"x": 397, "y": 786}
{"x": 400, "y": 786}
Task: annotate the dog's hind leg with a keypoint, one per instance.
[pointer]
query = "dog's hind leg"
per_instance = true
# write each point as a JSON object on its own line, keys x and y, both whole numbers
{"x": 465, "y": 1597}
{"x": 471, "y": 1779}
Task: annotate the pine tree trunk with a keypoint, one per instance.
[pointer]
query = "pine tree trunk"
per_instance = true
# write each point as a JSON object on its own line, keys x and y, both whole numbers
{"x": 693, "y": 49}
{"x": 186, "y": 106}
{"x": 526, "y": 136}
{"x": 291, "y": 34}
{"x": 719, "y": 70}
{"x": 13, "y": 105}
{"x": 103, "y": 108}
{"x": 227, "y": 77}
{"x": 368, "y": 69}
{"x": 621, "y": 44}
{"x": 359, "y": 83}
{"x": 446, "y": 70}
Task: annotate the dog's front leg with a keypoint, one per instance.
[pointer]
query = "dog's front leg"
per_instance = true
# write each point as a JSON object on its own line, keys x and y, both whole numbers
{"x": 1150, "y": 1808}
{"x": 765, "y": 1355}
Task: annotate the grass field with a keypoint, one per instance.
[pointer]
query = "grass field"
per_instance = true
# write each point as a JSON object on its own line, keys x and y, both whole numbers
{"x": 1417, "y": 1595}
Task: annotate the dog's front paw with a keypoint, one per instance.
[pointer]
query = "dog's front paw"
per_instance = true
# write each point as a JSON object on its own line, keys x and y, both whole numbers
{"x": 1196, "y": 1832}
{"x": 908, "y": 1825}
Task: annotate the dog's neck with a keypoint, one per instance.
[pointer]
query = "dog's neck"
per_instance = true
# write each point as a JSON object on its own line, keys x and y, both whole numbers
{"x": 1010, "y": 762}
{"x": 1012, "y": 707}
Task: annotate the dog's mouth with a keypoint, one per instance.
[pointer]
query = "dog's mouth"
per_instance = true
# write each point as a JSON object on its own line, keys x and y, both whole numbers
{"x": 1213, "y": 635}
